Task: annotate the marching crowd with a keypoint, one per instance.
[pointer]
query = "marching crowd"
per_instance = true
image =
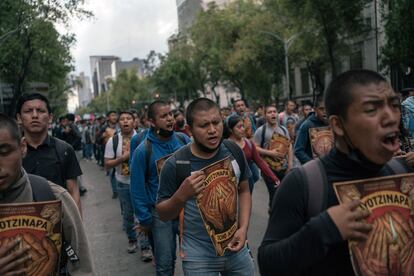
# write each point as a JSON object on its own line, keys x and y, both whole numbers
{"x": 156, "y": 165}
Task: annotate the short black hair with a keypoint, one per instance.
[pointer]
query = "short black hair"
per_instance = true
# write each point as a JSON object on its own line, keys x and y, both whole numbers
{"x": 230, "y": 123}
{"x": 200, "y": 104}
{"x": 288, "y": 101}
{"x": 318, "y": 100}
{"x": 238, "y": 100}
{"x": 152, "y": 108}
{"x": 10, "y": 124}
{"x": 70, "y": 117}
{"x": 29, "y": 97}
{"x": 338, "y": 96}
{"x": 110, "y": 112}
{"x": 178, "y": 113}
{"x": 126, "y": 112}
{"x": 268, "y": 106}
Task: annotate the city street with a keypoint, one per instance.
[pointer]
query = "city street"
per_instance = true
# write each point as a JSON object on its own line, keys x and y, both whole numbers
{"x": 102, "y": 218}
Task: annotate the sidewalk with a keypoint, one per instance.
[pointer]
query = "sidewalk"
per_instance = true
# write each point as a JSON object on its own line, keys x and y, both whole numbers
{"x": 102, "y": 218}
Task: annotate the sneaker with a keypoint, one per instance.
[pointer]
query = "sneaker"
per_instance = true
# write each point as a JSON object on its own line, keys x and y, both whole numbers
{"x": 146, "y": 255}
{"x": 132, "y": 247}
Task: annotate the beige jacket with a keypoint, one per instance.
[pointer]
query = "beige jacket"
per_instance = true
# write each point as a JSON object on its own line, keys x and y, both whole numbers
{"x": 73, "y": 229}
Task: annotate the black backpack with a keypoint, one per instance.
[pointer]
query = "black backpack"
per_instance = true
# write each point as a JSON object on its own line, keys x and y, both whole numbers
{"x": 42, "y": 192}
{"x": 314, "y": 175}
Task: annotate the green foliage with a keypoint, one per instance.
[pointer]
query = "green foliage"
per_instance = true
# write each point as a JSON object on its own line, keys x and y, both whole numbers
{"x": 325, "y": 28}
{"x": 127, "y": 89}
{"x": 399, "y": 31}
{"x": 126, "y": 92}
{"x": 176, "y": 77}
{"x": 31, "y": 49}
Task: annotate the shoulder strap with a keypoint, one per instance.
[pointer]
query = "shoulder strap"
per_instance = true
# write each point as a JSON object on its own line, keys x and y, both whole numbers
{"x": 285, "y": 131}
{"x": 314, "y": 175}
{"x": 396, "y": 166}
{"x": 182, "y": 164}
{"x": 182, "y": 171}
{"x": 263, "y": 135}
{"x": 40, "y": 188}
{"x": 180, "y": 137}
{"x": 115, "y": 142}
{"x": 148, "y": 153}
{"x": 236, "y": 151}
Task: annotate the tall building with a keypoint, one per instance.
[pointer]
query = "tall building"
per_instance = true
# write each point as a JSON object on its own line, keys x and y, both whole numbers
{"x": 187, "y": 11}
{"x": 135, "y": 64}
{"x": 101, "y": 72}
{"x": 83, "y": 88}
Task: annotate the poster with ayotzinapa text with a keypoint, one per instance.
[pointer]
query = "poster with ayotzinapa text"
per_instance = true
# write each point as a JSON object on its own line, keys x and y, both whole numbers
{"x": 389, "y": 249}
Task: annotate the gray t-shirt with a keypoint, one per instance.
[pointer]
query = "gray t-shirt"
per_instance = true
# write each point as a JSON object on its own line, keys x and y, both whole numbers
{"x": 268, "y": 135}
{"x": 197, "y": 244}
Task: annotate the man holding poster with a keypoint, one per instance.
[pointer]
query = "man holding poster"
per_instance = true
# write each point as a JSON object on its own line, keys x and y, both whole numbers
{"x": 364, "y": 114}
{"x": 22, "y": 249}
{"x": 212, "y": 198}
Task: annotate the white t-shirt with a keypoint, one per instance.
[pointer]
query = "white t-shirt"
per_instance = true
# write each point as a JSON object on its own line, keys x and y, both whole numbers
{"x": 109, "y": 153}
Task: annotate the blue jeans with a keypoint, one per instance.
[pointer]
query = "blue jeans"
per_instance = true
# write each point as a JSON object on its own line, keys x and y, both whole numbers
{"x": 87, "y": 151}
{"x": 165, "y": 244}
{"x": 127, "y": 210}
{"x": 113, "y": 181}
{"x": 143, "y": 239}
{"x": 238, "y": 264}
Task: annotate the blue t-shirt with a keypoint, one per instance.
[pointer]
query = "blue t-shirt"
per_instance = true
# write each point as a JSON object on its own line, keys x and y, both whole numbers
{"x": 197, "y": 244}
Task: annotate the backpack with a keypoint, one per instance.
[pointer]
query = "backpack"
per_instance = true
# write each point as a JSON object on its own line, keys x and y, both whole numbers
{"x": 42, "y": 192}
{"x": 314, "y": 175}
{"x": 148, "y": 150}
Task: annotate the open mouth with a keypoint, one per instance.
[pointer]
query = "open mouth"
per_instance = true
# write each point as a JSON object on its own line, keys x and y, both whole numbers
{"x": 390, "y": 142}
{"x": 213, "y": 140}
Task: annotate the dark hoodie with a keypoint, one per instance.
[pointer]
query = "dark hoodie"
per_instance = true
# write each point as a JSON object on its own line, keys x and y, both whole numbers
{"x": 144, "y": 191}
{"x": 303, "y": 149}
{"x": 296, "y": 245}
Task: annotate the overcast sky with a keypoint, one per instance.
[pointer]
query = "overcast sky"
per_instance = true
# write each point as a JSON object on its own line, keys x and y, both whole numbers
{"x": 124, "y": 28}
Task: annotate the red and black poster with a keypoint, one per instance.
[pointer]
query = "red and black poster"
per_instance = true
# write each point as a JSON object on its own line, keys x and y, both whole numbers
{"x": 389, "y": 249}
{"x": 322, "y": 140}
{"x": 280, "y": 144}
{"x": 218, "y": 203}
{"x": 37, "y": 225}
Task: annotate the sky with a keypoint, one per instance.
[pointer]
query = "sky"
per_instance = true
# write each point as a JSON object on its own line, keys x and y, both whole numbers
{"x": 124, "y": 28}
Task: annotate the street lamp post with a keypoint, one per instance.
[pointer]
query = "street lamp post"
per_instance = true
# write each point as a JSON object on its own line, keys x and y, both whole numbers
{"x": 286, "y": 45}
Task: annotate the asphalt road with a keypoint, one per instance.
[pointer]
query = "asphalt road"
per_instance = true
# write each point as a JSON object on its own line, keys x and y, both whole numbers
{"x": 102, "y": 218}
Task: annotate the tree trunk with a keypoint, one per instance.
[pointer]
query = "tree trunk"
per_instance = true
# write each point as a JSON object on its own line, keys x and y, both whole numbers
{"x": 19, "y": 84}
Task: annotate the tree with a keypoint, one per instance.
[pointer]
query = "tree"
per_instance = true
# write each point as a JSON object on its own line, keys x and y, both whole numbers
{"x": 36, "y": 52}
{"x": 327, "y": 25}
{"x": 233, "y": 50}
{"x": 399, "y": 31}
{"x": 127, "y": 89}
{"x": 178, "y": 76}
